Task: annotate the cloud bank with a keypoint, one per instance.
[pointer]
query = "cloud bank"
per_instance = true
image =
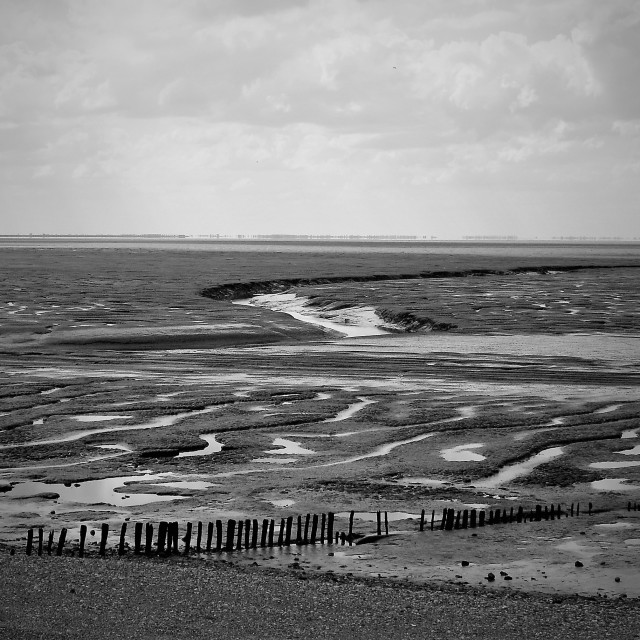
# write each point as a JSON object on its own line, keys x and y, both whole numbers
{"x": 437, "y": 118}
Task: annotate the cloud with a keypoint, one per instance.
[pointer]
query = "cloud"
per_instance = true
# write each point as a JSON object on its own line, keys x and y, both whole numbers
{"x": 339, "y": 104}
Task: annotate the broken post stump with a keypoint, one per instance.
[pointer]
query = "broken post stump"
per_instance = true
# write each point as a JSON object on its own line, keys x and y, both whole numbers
{"x": 314, "y": 528}
{"x": 287, "y": 533}
{"x": 40, "y": 540}
{"x": 323, "y": 524}
{"x": 247, "y": 533}
{"x": 83, "y": 537}
{"x": 422, "y": 520}
{"x": 148, "y": 543}
{"x": 199, "y": 538}
{"x": 254, "y": 534}
{"x": 379, "y": 523}
{"x": 330, "y": 517}
{"x": 272, "y": 528}
{"x": 123, "y": 531}
{"x": 231, "y": 531}
{"x": 263, "y": 534}
{"x": 50, "y": 542}
{"x": 239, "y": 539}
{"x": 209, "y": 536}
{"x": 103, "y": 538}
{"x": 61, "y": 539}
{"x": 218, "y": 535}
{"x": 137, "y": 542}
{"x": 351, "y": 514}
{"x": 29, "y": 541}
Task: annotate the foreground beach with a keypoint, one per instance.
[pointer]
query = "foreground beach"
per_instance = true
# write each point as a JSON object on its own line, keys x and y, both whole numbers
{"x": 71, "y": 599}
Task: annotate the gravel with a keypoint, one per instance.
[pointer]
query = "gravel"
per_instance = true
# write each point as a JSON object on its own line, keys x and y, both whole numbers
{"x": 177, "y": 598}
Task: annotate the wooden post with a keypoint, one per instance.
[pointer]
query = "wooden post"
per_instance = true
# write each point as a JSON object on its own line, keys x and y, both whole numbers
{"x": 263, "y": 535}
{"x": 323, "y": 524}
{"x": 272, "y": 527}
{"x": 281, "y": 531}
{"x": 103, "y": 538}
{"x": 148, "y": 543}
{"x": 299, "y": 530}
{"x": 629, "y": 505}
{"x": 209, "y": 536}
{"x": 491, "y": 516}
{"x": 590, "y": 507}
{"x": 231, "y": 530}
{"x": 465, "y": 519}
{"x": 511, "y": 516}
{"x": 218, "y": 535}
{"x": 473, "y": 519}
{"x": 443, "y": 522}
{"x": 433, "y": 517}
{"x": 176, "y": 535}
{"x": 458, "y": 520}
{"x": 314, "y": 528}
{"x": 50, "y": 542}
{"x": 351, "y": 523}
{"x": 422, "y": 520}
{"x": 287, "y": 533}
{"x": 538, "y": 513}
{"x": 386, "y": 526}
{"x": 481, "y": 518}
{"x": 83, "y": 537}
{"x": 451, "y": 514}
{"x": 559, "y": 511}
{"x": 247, "y": 533}
{"x": 138, "y": 538}
{"x": 254, "y": 534}
{"x": 305, "y": 539}
{"x": 123, "y": 531}
{"x": 29, "y": 541}
{"x": 572, "y": 509}
{"x": 552, "y": 513}
{"x": 546, "y": 512}
{"x": 337, "y": 538}
{"x": 40, "y": 540}
{"x": 199, "y": 538}
{"x": 379, "y": 523}
{"x": 330, "y": 517}
{"x": 239, "y": 540}
{"x": 520, "y": 514}
{"x": 61, "y": 539}
{"x": 578, "y": 510}
{"x": 342, "y": 538}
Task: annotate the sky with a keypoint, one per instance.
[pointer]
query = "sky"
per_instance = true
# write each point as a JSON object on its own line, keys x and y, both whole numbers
{"x": 443, "y": 118}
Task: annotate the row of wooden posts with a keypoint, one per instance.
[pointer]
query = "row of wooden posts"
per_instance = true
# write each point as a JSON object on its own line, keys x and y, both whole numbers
{"x": 471, "y": 518}
{"x": 247, "y": 534}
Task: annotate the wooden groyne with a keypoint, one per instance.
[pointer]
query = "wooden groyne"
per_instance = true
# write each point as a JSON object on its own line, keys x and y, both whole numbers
{"x": 310, "y": 529}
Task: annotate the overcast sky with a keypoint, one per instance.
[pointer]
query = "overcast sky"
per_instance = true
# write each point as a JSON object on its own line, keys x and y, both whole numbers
{"x": 431, "y": 117}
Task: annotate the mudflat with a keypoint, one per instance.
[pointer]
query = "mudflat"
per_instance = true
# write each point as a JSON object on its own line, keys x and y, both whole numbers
{"x": 134, "y": 390}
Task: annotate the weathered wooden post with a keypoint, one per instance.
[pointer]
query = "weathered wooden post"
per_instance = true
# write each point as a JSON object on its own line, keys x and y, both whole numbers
{"x": 351, "y": 514}
{"x": 254, "y": 534}
{"x": 342, "y": 538}
{"x": 305, "y": 539}
{"x": 443, "y": 522}
{"x": 323, "y": 524}
{"x": 386, "y": 526}
{"x": 552, "y": 513}
{"x": 314, "y": 528}
{"x": 29, "y": 541}
{"x": 247, "y": 533}
{"x": 457, "y": 525}
{"x": 379, "y": 523}
{"x": 299, "y": 530}
{"x": 511, "y": 516}
{"x": 123, "y": 532}
{"x": 137, "y": 538}
{"x": 538, "y": 513}
{"x": 231, "y": 530}
{"x": 263, "y": 535}
{"x": 239, "y": 539}
{"x": 546, "y": 512}
{"x": 83, "y": 537}
{"x": 520, "y": 514}
{"x": 50, "y": 542}
{"x": 40, "y": 540}
{"x": 281, "y": 531}
{"x": 148, "y": 543}
{"x": 219, "y": 535}
{"x": 572, "y": 509}
{"x": 491, "y": 516}
{"x": 481, "y": 518}
{"x": 451, "y": 514}
{"x": 209, "y": 536}
{"x": 433, "y": 517}
{"x": 199, "y": 538}
{"x": 422, "y": 520}
{"x": 103, "y": 538}
{"x": 590, "y": 508}
{"x": 61, "y": 539}
{"x": 272, "y": 527}
{"x": 465, "y": 519}
{"x": 187, "y": 539}
{"x": 330, "y": 517}
{"x": 474, "y": 518}
{"x": 578, "y": 510}
{"x": 287, "y": 532}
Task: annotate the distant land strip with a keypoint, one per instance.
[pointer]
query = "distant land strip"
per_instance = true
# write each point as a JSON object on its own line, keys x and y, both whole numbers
{"x": 241, "y": 290}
